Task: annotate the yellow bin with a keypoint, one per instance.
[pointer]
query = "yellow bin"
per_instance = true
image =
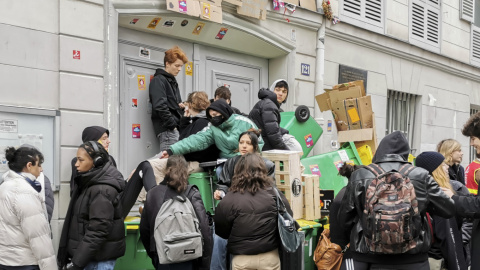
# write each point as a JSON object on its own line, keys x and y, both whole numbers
{"x": 365, "y": 153}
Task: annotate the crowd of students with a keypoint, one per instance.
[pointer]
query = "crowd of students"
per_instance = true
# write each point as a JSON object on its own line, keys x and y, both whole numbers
{"x": 439, "y": 231}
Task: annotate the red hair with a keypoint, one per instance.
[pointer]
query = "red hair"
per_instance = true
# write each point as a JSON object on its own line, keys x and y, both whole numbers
{"x": 173, "y": 55}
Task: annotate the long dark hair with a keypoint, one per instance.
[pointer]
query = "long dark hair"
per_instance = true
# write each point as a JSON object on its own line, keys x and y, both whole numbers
{"x": 176, "y": 173}
{"x": 347, "y": 169}
{"x": 19, "y": 158}
{"x": 253, "y": 134}
{"x": 250, "y": 174}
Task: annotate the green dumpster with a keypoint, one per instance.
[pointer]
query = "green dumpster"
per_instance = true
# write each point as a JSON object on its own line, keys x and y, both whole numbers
{"x": 135, "y": 254}
{"x": 327, "y": 166}
{"x": 312, "y": 232}
{"x": 307, "y": 133}
{"x": 202, "y": 181}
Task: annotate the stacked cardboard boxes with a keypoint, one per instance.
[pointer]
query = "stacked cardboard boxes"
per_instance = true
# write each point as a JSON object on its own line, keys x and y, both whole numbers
{"x": 352, "y": 112}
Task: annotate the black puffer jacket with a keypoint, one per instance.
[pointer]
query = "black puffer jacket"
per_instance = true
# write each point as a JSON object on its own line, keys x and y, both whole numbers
{"x": 165, "y": 97}
{"x": 249, "y": 222}
{"x": 392, "y": 154}
{"x": 265, "y": 114}
{"x": 97, "y": 231}
{"x": 226, "y": 176}
{"x": 153, "y": 204}
{"x": 192, "y": 125}
{"x": 75, "y": 172}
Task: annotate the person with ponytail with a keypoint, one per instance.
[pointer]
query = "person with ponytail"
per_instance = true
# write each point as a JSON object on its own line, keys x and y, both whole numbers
{"x": 447, "y": 249}
{"x": 175, "y": 183}
{"x": 93, "y": 234}
{"x": 25, "y": 237}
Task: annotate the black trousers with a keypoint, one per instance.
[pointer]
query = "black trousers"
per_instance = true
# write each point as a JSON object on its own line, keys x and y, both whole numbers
{"x": 142, "y": 177}
{"x": 351, "y": 264}
{"x": 24, "y": 267}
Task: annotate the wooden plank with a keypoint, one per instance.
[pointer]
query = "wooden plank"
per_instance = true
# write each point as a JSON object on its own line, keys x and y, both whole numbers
{"x": 312, "y": 197}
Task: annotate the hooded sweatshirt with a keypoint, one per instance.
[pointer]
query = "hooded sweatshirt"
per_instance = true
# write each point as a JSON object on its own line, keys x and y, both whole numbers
{"x": 225, "y": 136}
{"x": 393, "y": 143}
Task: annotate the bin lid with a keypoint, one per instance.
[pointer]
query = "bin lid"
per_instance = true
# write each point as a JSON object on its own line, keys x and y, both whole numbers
{"x": 308, "y": 224}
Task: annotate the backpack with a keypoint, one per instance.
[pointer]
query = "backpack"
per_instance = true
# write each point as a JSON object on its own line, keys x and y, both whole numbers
{"x": 177, "y": 231}
{"x": 392, "y": 222}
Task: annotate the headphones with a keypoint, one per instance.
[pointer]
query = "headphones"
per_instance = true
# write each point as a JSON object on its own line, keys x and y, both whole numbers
{"x": 97, "y": 157}
{"x": 35, "y": 184}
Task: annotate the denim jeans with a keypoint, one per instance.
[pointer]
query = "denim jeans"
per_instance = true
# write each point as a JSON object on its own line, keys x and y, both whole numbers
{"x": 219, "y": 254}
{"x": 103, "y": 265}
{"x": 167, "y": 138}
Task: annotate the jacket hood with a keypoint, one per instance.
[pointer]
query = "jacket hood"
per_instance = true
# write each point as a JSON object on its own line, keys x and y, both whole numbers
{"x": 106, "y": 175}
{"x": 265, "y": 93}
{"x": 393, "y": 143}
{"x": 93, "y": 133}
{"x": 222, "y": 107}
{"x": 201, "y": 114}
{"x": 272, "y": 87}
{"x": 164, "y": 73}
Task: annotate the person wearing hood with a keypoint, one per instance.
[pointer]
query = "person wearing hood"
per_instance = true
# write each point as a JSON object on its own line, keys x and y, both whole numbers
{"x": 224, "y": 92}
{"x": 451, "y": 242}
{"x": 165, "y": 97}
{"x": 392, "y": 155}
{"x": 93, "y": 234}
{"x": 223, "y": 131}
{"x": 266, "y": 115}
{"x": 92, "y": 133}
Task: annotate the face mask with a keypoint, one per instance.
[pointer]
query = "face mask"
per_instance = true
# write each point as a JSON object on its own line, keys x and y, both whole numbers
{"x": 216, "y": 120}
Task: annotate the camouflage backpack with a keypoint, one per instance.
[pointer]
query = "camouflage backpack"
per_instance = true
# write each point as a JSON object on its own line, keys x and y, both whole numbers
{"x": 391, "y": 220}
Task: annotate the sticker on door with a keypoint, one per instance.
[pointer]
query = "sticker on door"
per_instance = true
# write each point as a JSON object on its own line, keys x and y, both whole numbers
{"x": 136, "y": 131}
{"x": 141, "y": 82}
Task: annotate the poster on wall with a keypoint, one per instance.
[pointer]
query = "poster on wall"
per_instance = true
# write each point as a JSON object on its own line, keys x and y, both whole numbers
{"x": 153, "y": 24}
{"x": 141, "y": 82}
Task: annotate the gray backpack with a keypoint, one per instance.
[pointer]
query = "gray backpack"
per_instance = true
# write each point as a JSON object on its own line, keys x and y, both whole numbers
{"x": 177, "y": 231}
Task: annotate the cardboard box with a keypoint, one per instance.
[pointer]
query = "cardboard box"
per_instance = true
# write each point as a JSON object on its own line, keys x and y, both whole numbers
{"x": 308, "y": 4}
{"x": 364, "y": 105}
{"x": 340, "y": 115}
{"x": 352, "y": 114}
{"x": 365, "y": 136}
{"x": 340, "y": 92}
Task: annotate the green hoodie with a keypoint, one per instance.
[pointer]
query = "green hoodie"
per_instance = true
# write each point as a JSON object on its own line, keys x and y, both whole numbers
{"x": 225, "y": 137}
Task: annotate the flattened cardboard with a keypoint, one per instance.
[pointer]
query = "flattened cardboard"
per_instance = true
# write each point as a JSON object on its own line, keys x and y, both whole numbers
{"x": 351, "y": 85}
{"x": 293, "y": 2}
{"x": 253, "y": 8}
{"x": 364, "y": 105}
{"x": 235, "y": 2}
{"x": 366, "y": 136}
{"x": 337, "y": 95}
{"x": 323, "y": 101}
{"x": 309, "y": 4}
{"x": 216, "y": 14}
{"x": 340, "y": 116}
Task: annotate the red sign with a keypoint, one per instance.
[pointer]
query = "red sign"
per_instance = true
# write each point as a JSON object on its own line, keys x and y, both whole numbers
{"x": 76, "y": 54}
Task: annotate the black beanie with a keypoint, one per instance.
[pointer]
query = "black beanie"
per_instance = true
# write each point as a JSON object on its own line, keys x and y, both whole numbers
{"x": 430, "y": 161}
{"x": 93, "y": 133}
{"x": 222, "y": 107}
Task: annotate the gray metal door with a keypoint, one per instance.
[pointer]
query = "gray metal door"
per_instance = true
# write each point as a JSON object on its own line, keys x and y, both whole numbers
{"x": 137, "y": 135}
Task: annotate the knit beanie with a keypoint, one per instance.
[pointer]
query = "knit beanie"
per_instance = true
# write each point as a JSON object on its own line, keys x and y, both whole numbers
{"x": 93, "y": 133}
{"x": 430, "y": 160}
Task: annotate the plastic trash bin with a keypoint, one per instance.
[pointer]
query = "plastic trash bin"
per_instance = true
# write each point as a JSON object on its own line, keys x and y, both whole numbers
{"x": 202, "y": 181}
{"x": 365, "y": 153}
{"x": 307, "y": 133}
{"x": 327, "y": 166}
{"x": 135, "y": 254}
{"x": 311, "y": 229}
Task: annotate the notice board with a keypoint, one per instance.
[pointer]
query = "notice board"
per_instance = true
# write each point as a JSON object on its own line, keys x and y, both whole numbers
{"x": 36, "y": 127}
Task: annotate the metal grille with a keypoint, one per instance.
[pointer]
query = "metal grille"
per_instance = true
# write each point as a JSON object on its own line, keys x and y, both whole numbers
{"x": 401, "y": 114}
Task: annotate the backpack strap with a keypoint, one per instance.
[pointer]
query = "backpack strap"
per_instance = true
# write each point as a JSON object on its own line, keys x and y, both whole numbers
{"x": 406, "y": 169}
{"x": 375, "y": 169}
{"x": 187, "y": 191}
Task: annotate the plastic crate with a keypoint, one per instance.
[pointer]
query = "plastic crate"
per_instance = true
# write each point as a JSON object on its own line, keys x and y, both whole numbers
{"x": 306, "y": 133}
{"x": 135, "y": 254}
{"x": 202, "y": 181}
{"x": 327, "y": 165}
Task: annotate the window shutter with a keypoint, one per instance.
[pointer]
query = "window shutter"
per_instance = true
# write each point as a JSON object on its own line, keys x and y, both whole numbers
{"x": 467, "y": 10}
{"x": 425, "y": 24}
{"x": 475, "y": 53}
{"x": 353, "y": 6}
{"x": 373, "y": 10}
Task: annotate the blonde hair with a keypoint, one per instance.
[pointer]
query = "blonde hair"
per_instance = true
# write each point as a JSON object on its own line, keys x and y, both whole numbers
{"x": 442, "y": 178}
{"x": 447, "y": 147}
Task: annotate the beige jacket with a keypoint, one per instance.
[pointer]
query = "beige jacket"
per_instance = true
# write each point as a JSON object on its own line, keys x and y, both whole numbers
{"x": 24, "y": 229}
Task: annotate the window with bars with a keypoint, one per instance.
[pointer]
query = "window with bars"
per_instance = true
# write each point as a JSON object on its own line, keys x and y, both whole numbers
{"x": 401, "y": 114}
{"x": 425, "y": 22}
{"x": 368, "y": 14}
{"x": 473, "y": 152}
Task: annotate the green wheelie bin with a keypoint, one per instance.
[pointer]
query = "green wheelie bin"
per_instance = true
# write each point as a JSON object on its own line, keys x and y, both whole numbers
{"x": 312, "y": 231}
{"x": 303, "y": 127}
{"x": 206, "y": 188}
{"x": 135, "y": 257}
{"x": 327, "y": 165}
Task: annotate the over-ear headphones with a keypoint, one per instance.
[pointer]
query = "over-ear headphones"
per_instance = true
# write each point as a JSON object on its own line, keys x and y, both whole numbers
{"x": 97, "y": 156}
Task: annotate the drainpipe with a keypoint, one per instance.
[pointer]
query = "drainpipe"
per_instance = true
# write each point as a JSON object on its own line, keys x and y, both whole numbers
{"x": 320, "y": 146}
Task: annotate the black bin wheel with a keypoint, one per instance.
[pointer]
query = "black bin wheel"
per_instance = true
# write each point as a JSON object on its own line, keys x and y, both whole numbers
{"x": 302, "y": 113}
